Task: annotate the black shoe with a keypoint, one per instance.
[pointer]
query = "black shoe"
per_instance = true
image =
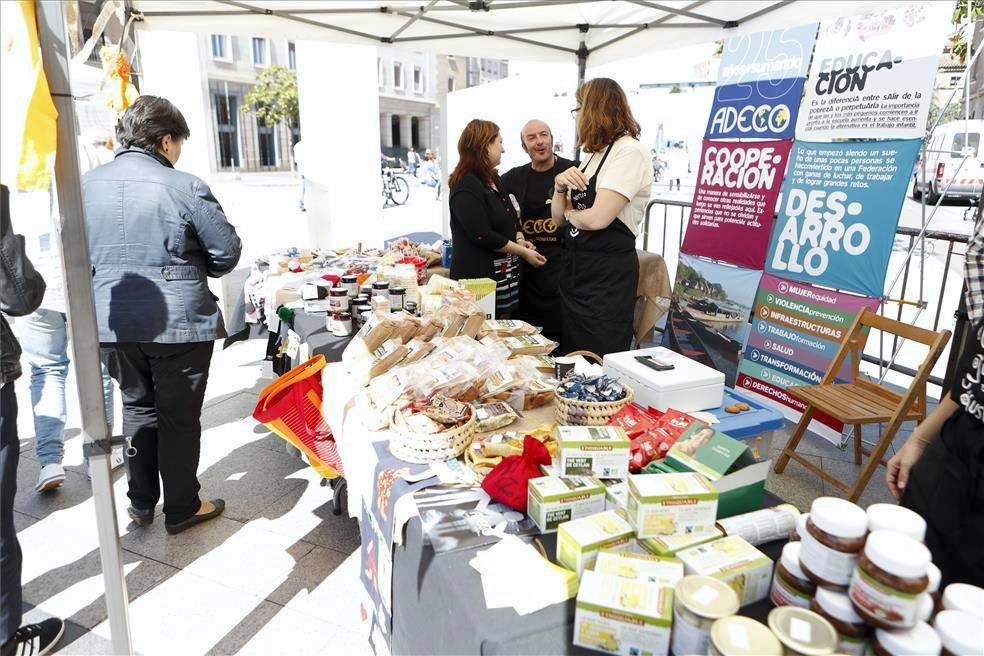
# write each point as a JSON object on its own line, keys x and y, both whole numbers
{"x": 34, "y": 639}
{"x": 141, "y": 517}
{"x": 174, "y": 529}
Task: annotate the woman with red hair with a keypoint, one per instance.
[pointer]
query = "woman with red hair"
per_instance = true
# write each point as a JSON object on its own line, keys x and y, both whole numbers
{"x": 483, "y": 220}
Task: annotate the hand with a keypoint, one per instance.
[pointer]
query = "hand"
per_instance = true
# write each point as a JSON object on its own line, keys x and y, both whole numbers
{"x": 533, "y": 258}
{"x": 572, "y": 178}
{"x": 527, "y": 244}
{"x": 897, "y": 472}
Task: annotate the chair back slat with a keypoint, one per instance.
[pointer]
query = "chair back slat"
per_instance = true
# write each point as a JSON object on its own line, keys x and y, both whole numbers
{"x": 893, "y": 327}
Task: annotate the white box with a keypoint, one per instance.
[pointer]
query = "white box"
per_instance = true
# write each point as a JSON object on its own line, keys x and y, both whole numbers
{"x": 553, "y": 500}
{"x": 580, "y": 540}
{"x": 734, "y": 561}
{"x": 670, "y": 545}
{"x": 665, "y": 571}
{"x": 668, "y": 504}
{"x": 688, "y": 387}
{"x": 622, "y": 616}
{"x": 601, "y": 451}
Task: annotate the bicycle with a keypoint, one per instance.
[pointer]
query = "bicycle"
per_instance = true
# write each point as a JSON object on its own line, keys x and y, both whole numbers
{"x": 396, "y": 189}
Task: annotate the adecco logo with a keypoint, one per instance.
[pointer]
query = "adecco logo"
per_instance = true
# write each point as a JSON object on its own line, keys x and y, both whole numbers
{"x": 750, "y": 119}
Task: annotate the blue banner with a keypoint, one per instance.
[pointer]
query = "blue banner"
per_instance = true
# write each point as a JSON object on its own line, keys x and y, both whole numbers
{"x": 759, "y": 110}
{"x": 838, "y": 213}
{"x": 761, "y": 56}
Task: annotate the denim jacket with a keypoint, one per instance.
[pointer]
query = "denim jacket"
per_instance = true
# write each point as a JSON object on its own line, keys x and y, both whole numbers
{"x": 155, "y": 235}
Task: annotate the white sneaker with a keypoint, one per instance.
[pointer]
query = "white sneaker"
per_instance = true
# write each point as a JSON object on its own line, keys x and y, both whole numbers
{"x": 52, "y": 476}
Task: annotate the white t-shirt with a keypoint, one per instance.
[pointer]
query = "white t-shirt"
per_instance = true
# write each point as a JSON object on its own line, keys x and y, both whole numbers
{"x": 628, "y": 171}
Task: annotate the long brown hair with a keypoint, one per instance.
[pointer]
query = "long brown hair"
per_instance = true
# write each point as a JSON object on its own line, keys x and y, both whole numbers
{"x": 604, "y": 114}
{"x": 473, "y": 152}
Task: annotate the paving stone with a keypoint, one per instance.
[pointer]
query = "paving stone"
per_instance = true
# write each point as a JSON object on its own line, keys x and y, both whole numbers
{"x": 875, "y": 492}
{"x": 184, "y": 548}
{"x": 310, "y": 573}
{"x": 306, "y": 514}
{"x": 796, "y": 485}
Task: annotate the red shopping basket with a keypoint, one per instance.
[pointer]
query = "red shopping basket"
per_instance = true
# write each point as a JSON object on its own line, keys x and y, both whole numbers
{"x": 291, "y": 407}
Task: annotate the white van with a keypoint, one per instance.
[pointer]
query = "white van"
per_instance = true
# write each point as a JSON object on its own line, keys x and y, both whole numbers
{"x": 944, "y": 152}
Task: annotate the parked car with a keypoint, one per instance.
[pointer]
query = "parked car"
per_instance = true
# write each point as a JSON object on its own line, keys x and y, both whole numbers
{"x": 944, "y": 152}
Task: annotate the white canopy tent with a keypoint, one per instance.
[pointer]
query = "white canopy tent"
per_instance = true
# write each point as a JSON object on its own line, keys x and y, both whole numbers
{"x": 595, "y": 31}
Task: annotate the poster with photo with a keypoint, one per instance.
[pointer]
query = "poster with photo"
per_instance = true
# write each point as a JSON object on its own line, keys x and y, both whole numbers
{"x": 735, "y": 200}
{"x": 708, "y": 318}
{"x": 839, "y": 210}
{"x": 455, "y": 517}
{"x": 873, "y": 74}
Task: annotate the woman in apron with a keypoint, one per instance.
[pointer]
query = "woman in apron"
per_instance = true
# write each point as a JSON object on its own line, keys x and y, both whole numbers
{"x": 483, "y": 221}
{"x": 600, "y": 206}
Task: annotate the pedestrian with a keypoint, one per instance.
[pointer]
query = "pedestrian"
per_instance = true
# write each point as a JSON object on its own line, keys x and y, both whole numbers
{"x": 677, "y": 163}
{"x": 603, "y": 201}
{"x": 483, "y": 220}
{"x": 157, "y": 320}
{"x": 21, "y": 291}
{"x": 413, "y": 161}
{"x": 299, "y": 166}
{"x": 431, "y": 172}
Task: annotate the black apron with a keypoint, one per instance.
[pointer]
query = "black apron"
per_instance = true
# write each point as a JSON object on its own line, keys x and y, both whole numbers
{"x": 598, "y": 292}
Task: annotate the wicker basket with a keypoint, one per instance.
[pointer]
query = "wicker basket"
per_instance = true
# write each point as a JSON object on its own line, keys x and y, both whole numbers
{"x": 438, "y": 447}
{"x": 570, "y": 412}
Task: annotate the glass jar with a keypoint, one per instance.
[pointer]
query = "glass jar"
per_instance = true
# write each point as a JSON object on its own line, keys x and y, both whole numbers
{"x": 802, "y": 632}
{"x": 834, "y": 537}
{"x": 889, "y": 578}
{"x": 338, "y": 300}
{"x": 742, "y": 636}
{"x": 790, "y": 586}
{"x": 891, "y": 517}
{"x": 965, "y": 597}
{"x": 920, "y": 639}
{"x": 959, "y": 632}
{"x": 341, "y": 324}
{"x": 380, "y": 288}
{"x": 934, "y": 574}
{"x": 799, "y": 529}
{"x": 350, "y": 284}
{"x": 697, "y": 602}
{"x": 397, "y": 296}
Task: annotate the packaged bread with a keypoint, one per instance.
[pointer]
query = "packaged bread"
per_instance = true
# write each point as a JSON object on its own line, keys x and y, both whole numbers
{"x": 429, "y": 329}
{"x": 386, "y": 389}
{"x": 473, "y": 324}
{"x": 417, "y": 350}
{"x": 407, "y": 326}
{"x": 387, "y": 355}
{"x": 493, "y": 416}
{"x": 529, "y": 345}
{"x": 378, "y": 328}
{"x": 507, "y": 327}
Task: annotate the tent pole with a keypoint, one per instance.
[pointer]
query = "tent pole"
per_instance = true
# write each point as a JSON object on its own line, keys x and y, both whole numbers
{"x": 582, "y": 65}
{"x": 81, "y": 306}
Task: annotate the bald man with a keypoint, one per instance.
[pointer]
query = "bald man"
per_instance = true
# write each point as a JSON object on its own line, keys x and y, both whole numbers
{"x": 532, "y": 184}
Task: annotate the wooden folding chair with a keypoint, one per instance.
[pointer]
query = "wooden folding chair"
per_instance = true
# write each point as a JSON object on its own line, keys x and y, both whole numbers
{"x": 863, "y": 401}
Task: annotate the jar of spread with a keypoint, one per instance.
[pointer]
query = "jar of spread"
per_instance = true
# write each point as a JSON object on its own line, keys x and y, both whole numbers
{"x": 341, "y": 324}
{"x": 790, "y": 586}
{"x": 350, "y": 284}
{"x": 799, "y": 528}
{"x": 836, "y": 608}
{"x": 698, "y": 601}
{"x": 959, "y": 632}
{"x": 380, "y": 288}
{"x": 889, "y": 578}
{"x": 933, "y": 589}
{"x": 397, "y": 296}
{"x": 926, "y": 611}
{"x": 803, "y": 632}
{"x": 742, "y": 636}
{"x": 365, "y": 290}
{"x": 965, "y": 597}
{"x": 834, "y": 537}
{"x": 891, "y": 517}
{"x": 338, "y": 299}
{"x": 920, "y": 639}
{"x": 411, "y": 307}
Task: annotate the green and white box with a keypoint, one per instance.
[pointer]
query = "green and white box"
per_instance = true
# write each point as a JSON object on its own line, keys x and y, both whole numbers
{"x": 601, "y": 451}
{"x": 580, "y": 540}
{"x": 617, "y": 496}
{"x": 668, "y": 504}
{"x": 554, "y": 500}
{"x": 623, "y": 616}
{"x": 670, "y": 545}
{"x": 736, "y": 562}
{"x": 646, "y": 567}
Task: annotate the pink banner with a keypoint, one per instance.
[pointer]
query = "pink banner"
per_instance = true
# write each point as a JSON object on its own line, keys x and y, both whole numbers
{"x": 735, "y": 200}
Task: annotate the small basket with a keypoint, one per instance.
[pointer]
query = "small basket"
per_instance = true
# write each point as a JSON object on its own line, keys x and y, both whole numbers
{"x": 480, "y": 470}
{"x": 418, "y": 448}
{"x": 571, "y": 412}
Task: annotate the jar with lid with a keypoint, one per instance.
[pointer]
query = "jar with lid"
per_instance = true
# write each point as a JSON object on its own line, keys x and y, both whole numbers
{"x": 920, "y": 639}
{"x": 742, "y": 636}
{"x": 411, "y": 307}
{"x": 889, "y": 578}
{"x": 341, "y": 324}
{"x": 836, "y": 608}
{"x": 790, "y": 586}
{"x": 892, "y": 517}
{"x": 959, "y": 632}
{"x": 351, "y": 284}
{"x": 338, "y": 299}
{"x": 965, "y": 597}
{"x": 933, "y": 589}
{"x": 802, "y": 632}
{"x": 380, "y": 288}
{"x": 833, "y": 540}
{"x": 799, "y": 528}
{"x": 698, "y": 601}
{"x": 397, "y": 297}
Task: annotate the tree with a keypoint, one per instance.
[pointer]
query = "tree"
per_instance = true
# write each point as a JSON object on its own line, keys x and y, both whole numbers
{"x": 274, "y": 98}
{"x": 954, "y": 112}
{"x": 957, "y": 44}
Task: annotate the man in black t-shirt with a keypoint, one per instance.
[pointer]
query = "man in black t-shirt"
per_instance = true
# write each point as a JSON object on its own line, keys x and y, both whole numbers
{"x": 532, "y": 185}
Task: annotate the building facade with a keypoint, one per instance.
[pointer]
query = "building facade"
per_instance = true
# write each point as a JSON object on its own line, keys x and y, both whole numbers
{"x": 408, "y": 101}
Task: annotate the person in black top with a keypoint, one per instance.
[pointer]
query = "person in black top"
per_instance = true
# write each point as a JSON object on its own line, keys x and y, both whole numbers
{"x": 483, "y": 219}
{"x": 533, "y": 186}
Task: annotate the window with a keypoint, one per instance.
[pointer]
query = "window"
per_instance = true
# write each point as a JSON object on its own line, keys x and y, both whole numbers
{"x": 418, "y": 79}
{"x": 973, "y": 140}
{"x": 221, "y": 50}
{"x": 398, "y": 76}
{"x": 267, "y": 138}
{"x": 261, "y": 54}
{"x": 227, "y": 125}
{"x": 291, "y": 56}
{"x": 381, "y": 72}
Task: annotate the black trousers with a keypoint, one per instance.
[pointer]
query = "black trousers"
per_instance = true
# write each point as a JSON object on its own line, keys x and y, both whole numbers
{"x": 163, "y": 388}
{"x": 10, "y": 551}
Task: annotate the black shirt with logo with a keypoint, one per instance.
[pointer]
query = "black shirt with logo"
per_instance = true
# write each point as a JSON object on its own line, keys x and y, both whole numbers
{"x": 534, "y": 191}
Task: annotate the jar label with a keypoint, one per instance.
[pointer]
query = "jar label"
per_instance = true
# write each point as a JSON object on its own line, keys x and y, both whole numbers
{"x": 895, "y": 608}
{"x": 783, "y": 594}
{"x": 689, "y": 638}
{"x": 832, "y": 566}
{"x": 851, "y": 646}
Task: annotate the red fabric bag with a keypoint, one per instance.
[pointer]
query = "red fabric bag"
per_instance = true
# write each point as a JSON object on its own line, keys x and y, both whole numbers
{"x": 509, "y": 481}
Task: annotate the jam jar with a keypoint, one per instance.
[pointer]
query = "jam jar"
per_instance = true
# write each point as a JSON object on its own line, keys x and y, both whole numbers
{"x": 890, "y": 576}
{"x": 965, "y": 597}
{"x": 836, "y": 608}
{"x": 891, "y": 517}
{"x": 802, "y": 632}
{"x": 790, "y": 586}
{"x": 834, "y": 537}
{"x": 920, "y": 639}
{"x": 959, "y": 632}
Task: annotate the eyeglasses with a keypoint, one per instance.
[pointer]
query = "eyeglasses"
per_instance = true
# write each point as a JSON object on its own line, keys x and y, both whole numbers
{"x": 575, "y": 111}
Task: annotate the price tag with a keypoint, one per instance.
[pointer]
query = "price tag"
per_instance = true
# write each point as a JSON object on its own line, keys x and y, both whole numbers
{"x": 705, "y": 595}
{"x": 800, "y": 630}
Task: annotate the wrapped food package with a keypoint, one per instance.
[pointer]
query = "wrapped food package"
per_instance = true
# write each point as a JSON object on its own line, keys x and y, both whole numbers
{"x": 493, "y": 416}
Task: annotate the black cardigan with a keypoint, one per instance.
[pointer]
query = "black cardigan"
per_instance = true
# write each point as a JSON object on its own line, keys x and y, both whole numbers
{"x": 482, "y": 221}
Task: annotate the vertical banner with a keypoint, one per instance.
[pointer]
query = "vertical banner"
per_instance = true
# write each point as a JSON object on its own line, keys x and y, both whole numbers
{"x": 795, "y": 334}
{"x": 873, "y": 75}
{"x": 734, "y": 202}
{"x": 839, "y": 210}
{"x": 708, "y": 320}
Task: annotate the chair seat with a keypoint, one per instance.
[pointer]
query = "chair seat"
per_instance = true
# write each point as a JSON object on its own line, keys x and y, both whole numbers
{"x": 854, "y": 403}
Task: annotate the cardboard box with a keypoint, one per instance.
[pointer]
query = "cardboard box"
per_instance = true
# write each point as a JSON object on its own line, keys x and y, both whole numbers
{"x": 617, "y": 497}
{"x": 668, "y": 504}
{"x": 666, "y": 571}
{"x": 484, "y": 291}
{"x": 601, "y": 451}
{"x": 622, "y": 616}
{"x": 553, "y": 500}
{"x": 732, "y": 560}
{"x": 580, "y": 540}
{"x": 670, "y": 545}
